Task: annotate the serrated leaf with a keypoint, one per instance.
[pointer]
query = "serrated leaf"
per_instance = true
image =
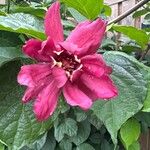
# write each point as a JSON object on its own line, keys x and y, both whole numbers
{"x": 23, "y": 23}
{"x": 83, "y": 133}
{"x": 146, "y": 107}
{"x": 138, "y": 35}
{"x": 95, "y": 121}
{"x": 68, "y": 126}
{"x": 89, "y": 9}
{"x": 85, "y": 146}
{"x": 18, "y": 126}
{"x": 80, "y": 114}
{"x": 65, "y": 145}
{"x": 50, "y": 143}
{"x": 132, "y": 86}
{"x": 130, "y": 132}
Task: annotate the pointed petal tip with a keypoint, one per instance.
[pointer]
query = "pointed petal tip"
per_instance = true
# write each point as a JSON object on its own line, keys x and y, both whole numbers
{"x": 52, "y": 23}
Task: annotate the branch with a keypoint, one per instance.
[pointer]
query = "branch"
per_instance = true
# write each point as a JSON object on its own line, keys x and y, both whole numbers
{"x": 130, "y": 11}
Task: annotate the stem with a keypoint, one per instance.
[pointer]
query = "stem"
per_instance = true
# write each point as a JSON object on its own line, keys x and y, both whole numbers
{"x": 145, "y": 52}
{"x": 130, "y": 11}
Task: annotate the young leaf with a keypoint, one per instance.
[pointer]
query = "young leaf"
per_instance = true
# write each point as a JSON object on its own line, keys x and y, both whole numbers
{"x": 132, "y": 86}
{"x": 83, "y": 133}
{"x": 138, "y": 35}
{"x": 68, "y": 127}
{"x": 65, "y": 145}
{"x": 130, "y": 132}
{"x": 89, "y": 9}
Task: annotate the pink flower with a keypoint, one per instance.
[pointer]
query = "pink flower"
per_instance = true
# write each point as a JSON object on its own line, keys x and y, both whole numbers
{"x": 71, "y": 67}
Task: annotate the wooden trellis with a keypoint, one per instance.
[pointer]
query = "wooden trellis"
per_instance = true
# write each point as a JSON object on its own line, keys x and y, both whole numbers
{"x": 119, "y": 7}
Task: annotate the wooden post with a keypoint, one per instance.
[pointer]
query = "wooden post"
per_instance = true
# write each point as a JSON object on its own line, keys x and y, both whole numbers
{"x": 137, "y": 21}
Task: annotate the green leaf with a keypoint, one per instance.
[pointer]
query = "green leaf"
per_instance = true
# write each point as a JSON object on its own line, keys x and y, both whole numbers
{"x": 146, "y": 107}
{"x": 95, "y": 121}
{"x": 36, "y": 11}
{"x": 50, "y": 142}
{"x": 138, "y": 35}
{"x": 128, "y": 77}
{"x": 135, "y": 146}
{"x": 23, "y": 23}
{"x": 2, "y": 147}
{"x": 106, "y": 145}
{"x": 77, "y": 16}
{"x": 65, "y": 145}
{"x": 9, "y": 53}
{"x": 18, "y": 125}
{"x": 83, "y": 133}
{"x": 107, "y": 10}
{"x": 80, "y": 114}
{"x": 130, "y": 132}
{"x": 140, "y": 13}
{"x": 68, "y": 127}
{"x": 89, "y": 9}
{"x": 85, "y": 146}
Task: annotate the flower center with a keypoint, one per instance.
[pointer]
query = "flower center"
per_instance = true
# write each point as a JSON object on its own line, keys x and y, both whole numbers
{"x": 68, "y": 62}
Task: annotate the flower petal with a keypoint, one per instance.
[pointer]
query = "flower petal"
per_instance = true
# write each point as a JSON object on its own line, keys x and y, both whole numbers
{"x": 95, "y": 65}
{"x": 88, "y": 36}
{"x": 53, "y": 26}
{"x": 32, "y": 48}
{"x": 31, "y": 75}
{"x": 59, "y": 76}
{"x": 75, "y": 97}
{"x": 103, "y": 87}
{"x": 46, "y": 102}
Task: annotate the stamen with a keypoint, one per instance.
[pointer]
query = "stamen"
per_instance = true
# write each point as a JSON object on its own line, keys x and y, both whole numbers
{"x": 58, "y": 53}
{"x": 77, "y": 59}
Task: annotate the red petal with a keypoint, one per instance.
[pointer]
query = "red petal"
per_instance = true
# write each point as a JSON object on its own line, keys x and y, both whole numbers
{"x": 103, "y": 87}
{"x": 32, "y": 48}
{"x": 59, "y": 76}
{"x": 75, "y": 97}
{"x": 94, "y": 65}
{"x": 31, "y": 75}
{"x": 53, "y": 26}
{"x": 46, "y": 102}
{"x": 87, "y": 36}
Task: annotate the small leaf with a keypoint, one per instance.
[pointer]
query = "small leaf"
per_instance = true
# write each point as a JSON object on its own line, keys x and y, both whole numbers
{"x": 130, "y": 132}
{"x": 80, "y": 114}
{"x": 107, "y": 10}
{"x": 68, "y": 127}
{"x": 85, "y": 146}
{"x": 136, "y": 34}
{"x": 65, "y": 145}
{"x": 82, "y": 134}
{"x": 50, "y": 143}
{"x": 89, "y": 9}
